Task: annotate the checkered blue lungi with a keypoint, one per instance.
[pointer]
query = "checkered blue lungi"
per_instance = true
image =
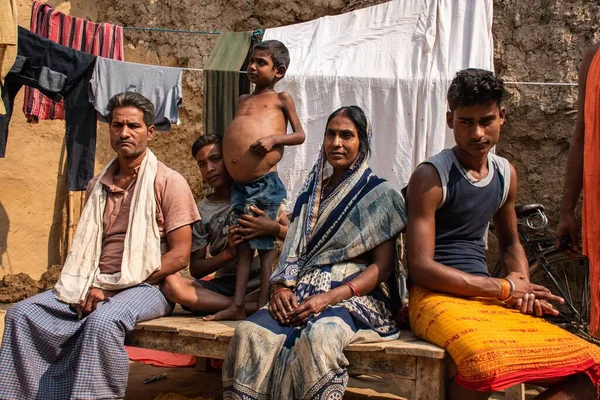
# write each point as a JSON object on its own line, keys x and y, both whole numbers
{"x": 47, "y": 353}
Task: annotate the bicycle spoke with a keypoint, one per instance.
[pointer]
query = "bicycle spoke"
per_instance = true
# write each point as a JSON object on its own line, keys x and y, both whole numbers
{"x": 568, "y": 277}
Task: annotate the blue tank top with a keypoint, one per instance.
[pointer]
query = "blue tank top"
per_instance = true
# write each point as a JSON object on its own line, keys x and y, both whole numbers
{"x": 467, "y": 207}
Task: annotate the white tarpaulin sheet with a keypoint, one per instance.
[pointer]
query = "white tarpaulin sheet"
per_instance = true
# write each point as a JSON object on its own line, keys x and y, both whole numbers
{"x": 395, "y": 60}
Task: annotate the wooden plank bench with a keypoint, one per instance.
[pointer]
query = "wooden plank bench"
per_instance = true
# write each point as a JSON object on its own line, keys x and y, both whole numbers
{"x": 418, "y": 367}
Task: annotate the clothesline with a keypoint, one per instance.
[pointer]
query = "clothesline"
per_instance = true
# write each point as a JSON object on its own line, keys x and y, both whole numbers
{"x": 156, "y": 29}
{"x": 200, "y": 69}
{"x": 543, "y": 83}
{"x": 506, "y": 83}
{"x": 172, "y": 30}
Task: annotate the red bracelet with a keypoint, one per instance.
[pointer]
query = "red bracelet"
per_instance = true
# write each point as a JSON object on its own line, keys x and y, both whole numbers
{"x": 226, "y": 256}
{"x": 354, "y": 290}
{"x": 283, "y": 289}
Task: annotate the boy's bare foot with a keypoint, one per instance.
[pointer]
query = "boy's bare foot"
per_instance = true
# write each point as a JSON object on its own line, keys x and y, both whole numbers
{"x": 231, "y": 313}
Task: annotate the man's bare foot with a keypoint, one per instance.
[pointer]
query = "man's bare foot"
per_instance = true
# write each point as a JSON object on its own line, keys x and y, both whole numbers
{"x": 231, "y": 313}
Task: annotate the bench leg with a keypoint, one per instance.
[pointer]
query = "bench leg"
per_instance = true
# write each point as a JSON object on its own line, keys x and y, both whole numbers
{"x": 430, "y": 379}
{"x": 202, "y": 364}
{"x": 516, "y": 392}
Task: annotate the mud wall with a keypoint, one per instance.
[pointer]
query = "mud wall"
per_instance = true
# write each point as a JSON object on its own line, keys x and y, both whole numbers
{"x": 32, "y": 187}
{"x": 536, "y": 40}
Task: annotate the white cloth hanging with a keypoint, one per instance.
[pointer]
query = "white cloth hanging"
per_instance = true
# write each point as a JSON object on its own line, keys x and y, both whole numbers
{"x": 395, "y": 60}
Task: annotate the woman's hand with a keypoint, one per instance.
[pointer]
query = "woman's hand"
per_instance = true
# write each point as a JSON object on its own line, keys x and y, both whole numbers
{"x": 312, "y": 305}
{"x": 259, "y": 224}
{"x": 530, "y": 298}
{"x": 282, "y": 304}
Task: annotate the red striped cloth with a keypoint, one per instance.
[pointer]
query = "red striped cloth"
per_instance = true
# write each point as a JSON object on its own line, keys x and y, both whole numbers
{"x": 100, "y": 39}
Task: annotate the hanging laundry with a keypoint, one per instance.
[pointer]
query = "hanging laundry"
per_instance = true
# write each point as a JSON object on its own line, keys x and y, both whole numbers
{"x": 396, "y": 61}
{"x": 100, "y": 39}
{"x": 161, "y": 85}
{"x": 8, "y": 40}
{"x": 222, "y": 82}
{"x": 59, "y": 73}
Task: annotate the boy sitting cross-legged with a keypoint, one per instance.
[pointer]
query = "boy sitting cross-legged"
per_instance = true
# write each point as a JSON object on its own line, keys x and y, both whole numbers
{"x": 212, "y": 236}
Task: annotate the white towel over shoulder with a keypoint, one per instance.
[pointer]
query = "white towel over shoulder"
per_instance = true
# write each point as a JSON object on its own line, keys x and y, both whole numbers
{"x": 141, "y": 256}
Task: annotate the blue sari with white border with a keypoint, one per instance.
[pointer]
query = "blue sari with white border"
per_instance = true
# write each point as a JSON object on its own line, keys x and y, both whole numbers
{"x": 269, "y": 360}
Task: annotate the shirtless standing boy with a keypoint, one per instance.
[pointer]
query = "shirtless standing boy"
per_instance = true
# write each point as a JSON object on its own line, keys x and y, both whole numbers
{"x": 252, "y": 146}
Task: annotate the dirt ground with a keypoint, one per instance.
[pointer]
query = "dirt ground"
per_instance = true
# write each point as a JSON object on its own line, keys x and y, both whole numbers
{"x": 189, "y": 383}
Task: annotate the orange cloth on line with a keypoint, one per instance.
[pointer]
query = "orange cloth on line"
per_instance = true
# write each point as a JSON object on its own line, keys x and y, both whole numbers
{"x": 591, "y": 189}
{"x": 495, "y": 347}
{"x": 160, "y": 358}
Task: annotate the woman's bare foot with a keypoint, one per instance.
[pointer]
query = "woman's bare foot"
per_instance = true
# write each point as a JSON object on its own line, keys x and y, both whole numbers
{"x": 231, "y": 313}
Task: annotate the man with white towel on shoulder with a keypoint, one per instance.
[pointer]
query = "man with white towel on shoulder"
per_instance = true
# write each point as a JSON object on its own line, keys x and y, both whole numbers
{"x": 135, "y": 229}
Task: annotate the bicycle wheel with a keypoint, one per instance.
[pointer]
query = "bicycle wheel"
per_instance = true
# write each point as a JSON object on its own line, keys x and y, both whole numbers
{"x": 567, "y": 277}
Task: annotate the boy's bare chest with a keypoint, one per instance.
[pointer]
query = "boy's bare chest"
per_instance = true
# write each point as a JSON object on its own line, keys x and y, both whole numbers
{"x": 259, "y": 106}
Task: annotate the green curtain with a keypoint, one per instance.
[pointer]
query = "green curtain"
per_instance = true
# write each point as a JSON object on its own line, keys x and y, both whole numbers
{"x": 223, "y": 84}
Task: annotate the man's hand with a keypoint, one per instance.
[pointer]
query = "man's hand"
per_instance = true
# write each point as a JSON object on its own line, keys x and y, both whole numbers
{"x": 567, "y": 226}
{"x": 263, "y": 146}
{"x": 95, "y": 295}
{"x": 530, "y": 298}
{"x": 256, "y": 225}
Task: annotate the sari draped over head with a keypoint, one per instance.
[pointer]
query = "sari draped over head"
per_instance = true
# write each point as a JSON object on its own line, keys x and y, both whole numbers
{"x": 327, "y": 234}
{"x": 360, "y": 213}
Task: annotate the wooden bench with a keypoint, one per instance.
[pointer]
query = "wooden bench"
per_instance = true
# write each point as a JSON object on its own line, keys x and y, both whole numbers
{"x": 417, "y": 367}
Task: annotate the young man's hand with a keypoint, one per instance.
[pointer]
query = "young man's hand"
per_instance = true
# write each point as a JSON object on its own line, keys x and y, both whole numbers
{"x": 263, "y": 146}
{"x": 532, "y": 299}
{"x": 234, "y": 237}
{"x": 259, "y": 224}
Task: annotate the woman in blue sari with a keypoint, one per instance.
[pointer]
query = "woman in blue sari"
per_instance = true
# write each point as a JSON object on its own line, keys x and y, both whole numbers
{"x": 337, "y": 282}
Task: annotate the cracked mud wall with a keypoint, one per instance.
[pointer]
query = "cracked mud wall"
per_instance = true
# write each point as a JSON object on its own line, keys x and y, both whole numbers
{"x": 535, "y": 40}
{"x": 541, "y": 41}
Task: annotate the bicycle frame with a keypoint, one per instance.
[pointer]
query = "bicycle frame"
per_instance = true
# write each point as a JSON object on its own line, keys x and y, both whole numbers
{"x": 538, "y": 247}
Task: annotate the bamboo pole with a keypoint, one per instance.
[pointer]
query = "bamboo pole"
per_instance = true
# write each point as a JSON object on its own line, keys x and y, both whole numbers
{"x": 81, "y": 203}
{"x": 70, "y": 217}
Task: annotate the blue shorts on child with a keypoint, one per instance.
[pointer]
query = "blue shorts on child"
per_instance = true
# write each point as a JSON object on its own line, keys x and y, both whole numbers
{"x": 267, "y": 193}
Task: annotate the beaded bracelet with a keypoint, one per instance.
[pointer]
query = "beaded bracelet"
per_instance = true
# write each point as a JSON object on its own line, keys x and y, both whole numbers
{"x": 354, "y": 290}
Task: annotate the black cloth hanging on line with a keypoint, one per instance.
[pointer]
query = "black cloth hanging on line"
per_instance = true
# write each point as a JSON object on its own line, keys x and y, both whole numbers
{"x": 58, "y": 72}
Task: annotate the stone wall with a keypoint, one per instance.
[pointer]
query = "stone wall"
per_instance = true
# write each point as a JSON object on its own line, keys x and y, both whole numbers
{"x": 541, "y": 41}
{"x": 535, "y": 40}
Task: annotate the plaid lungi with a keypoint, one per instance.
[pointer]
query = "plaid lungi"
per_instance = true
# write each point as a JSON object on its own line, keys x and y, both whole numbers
{"x": 47, "y": 353}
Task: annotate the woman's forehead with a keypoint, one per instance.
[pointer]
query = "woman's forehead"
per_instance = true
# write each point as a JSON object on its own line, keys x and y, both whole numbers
{"x": 341, "y": 122}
